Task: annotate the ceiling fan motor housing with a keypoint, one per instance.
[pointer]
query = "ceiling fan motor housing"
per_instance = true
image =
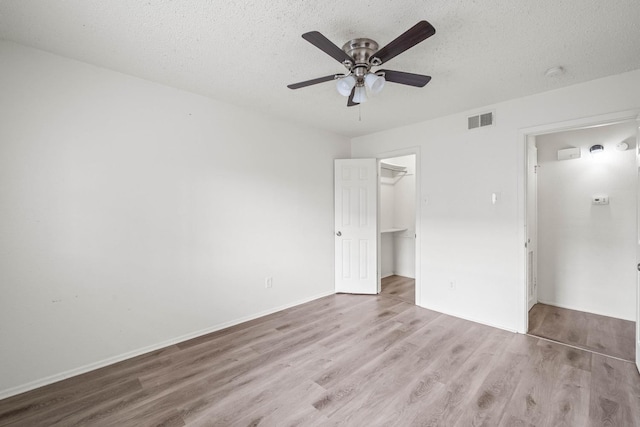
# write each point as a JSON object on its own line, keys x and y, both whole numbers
{"x": 359, "y": 55}
{"x": 361, "y": 50}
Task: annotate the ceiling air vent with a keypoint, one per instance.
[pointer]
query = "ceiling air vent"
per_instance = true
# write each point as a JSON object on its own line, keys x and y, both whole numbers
{"x": 481, "y": 120}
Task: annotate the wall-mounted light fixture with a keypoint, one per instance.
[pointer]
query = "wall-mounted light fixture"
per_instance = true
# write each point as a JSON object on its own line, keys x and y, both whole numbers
{"x": 596, "y": 149}
{"x": 622, "y": 146}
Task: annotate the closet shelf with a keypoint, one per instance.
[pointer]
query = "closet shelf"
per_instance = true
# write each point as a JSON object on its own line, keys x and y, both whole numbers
{"x": 393, "y": 230}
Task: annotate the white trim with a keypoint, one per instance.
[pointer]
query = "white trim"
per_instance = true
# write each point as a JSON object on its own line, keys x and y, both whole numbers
{"x": 119, "y": 358}
{"x": 582, "y": 123}
{"x": 470, "y": 319}
{"x": 521, "y": 197}
{"x": 637, "y": 284}
{"x": 574, "y": 308}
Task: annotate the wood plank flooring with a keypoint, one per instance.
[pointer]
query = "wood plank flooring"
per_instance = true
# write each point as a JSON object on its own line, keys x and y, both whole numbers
{"x": 403, "y": 288}
{"x": 601, "y": 334}
{"x": 346, "y": 360}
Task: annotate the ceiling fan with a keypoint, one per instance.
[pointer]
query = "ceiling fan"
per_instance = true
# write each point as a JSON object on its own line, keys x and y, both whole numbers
{"x": 359, "y": 55}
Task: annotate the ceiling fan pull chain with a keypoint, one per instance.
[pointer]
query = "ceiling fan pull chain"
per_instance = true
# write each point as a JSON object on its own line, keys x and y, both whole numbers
{"x": 359, "y": 112}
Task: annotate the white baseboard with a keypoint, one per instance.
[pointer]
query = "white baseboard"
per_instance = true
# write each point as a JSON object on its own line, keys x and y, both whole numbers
{"x": 119, "y": 358}
{"x": 407, "y": 273}
{"x": 576, "y": 308}
{"x": 394, "y": 273}
{"x": 471, "y": 319}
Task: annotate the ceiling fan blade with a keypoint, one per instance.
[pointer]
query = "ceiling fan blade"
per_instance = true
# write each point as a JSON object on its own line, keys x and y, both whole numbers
{"x": 350, "y": 102}
{"x": 314, "y": 81}
{"x": 325, "y": 45}
{"x": 414, "y": 35}
{"x": 410, "y": 79}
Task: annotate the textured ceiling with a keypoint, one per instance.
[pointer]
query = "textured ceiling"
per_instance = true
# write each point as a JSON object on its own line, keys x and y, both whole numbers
{"x": 246, "y": 52}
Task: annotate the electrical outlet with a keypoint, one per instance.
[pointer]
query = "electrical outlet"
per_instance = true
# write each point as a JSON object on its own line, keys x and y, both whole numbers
{"x": 268, "y": 282}
{"x": 452, "y": 284}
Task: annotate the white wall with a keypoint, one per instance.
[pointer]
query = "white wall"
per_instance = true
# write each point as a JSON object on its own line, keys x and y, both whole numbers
{"x": 587, "y": 252}
{"x": 464, "y": 238}
{"x": 133, "y": 215}
{"x": 387, "y": 256}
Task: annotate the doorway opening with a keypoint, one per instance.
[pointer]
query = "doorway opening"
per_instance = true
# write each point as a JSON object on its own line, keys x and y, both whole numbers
{"x": 397, "y": 225}
{"x": 581, "y": 219}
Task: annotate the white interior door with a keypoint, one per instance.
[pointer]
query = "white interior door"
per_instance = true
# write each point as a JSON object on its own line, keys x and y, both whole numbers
{"x": 356, "y": 226}
{"x": 532, "y": 223}
{"x": 638, "y": 248}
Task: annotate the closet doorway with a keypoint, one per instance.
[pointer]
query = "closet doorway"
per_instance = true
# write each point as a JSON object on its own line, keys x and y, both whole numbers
{"x": 585, "y": 217}
{"x": 397, "y": 225}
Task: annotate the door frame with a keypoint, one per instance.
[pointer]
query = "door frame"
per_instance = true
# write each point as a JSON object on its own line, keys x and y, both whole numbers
{"x": 637, "y": 236}
{"x": 532, "y": 232}
{"x": 523, "y": 134}
{"x": 399, "y": 153}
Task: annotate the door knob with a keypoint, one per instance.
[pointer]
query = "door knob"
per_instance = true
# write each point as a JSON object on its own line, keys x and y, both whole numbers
{"x": 638, "y": 267}
{"x": 340, "y": 234}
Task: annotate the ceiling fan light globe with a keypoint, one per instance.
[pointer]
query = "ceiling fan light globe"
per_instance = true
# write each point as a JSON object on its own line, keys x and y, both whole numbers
{"x": 345, "y": 85}
{"x": 360, "y": 95}
{"x": 374, "y": 82}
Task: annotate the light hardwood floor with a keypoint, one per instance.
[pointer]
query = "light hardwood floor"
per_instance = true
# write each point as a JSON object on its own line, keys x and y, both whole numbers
{"x": 346, "y": 360}
{"x": 601, "y": 334}
{"x": 403, "y": 288}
